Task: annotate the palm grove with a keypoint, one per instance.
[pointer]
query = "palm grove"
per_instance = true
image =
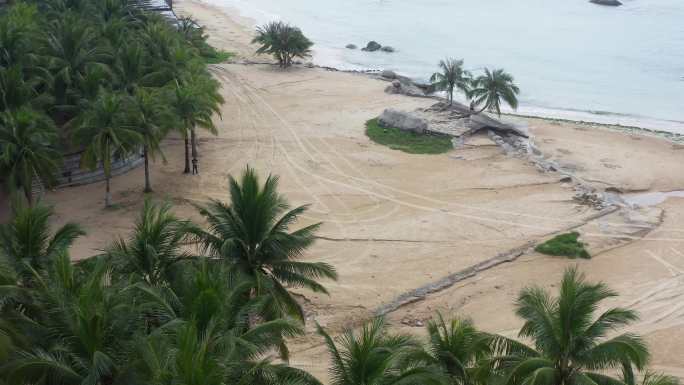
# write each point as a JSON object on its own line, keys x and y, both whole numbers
{"x": 175, "y": 302}
{"x": 98, "y": 76}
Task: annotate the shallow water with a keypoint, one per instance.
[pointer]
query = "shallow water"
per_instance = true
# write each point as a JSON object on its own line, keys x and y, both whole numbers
{"x": 650, "y": 198}
{"x": 572, "y": 59}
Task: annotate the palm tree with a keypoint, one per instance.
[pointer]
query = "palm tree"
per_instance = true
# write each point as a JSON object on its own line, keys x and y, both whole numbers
{"x": 648, "y": 378}
{"x": 17, "y": 89}
{"x": 26, "y": 242}
{"x": 27, "y": 140}
{"x": 456, "y": 347}
{"x": 490, "y": 89}
{"x": 86, "y": 328}
{"x": 194, "y": 101}
{"x": 70, "y": 47}
{"x": 214, "y": 343}
{"x": 18, "y": 27}
{"x": 569, "y": 338}
{"x": 452, "y": 76}
{"x": 154, "y": 247}
{"x": 131, "y": 68}
{"x": 374, "y": 357}
{"x": 251, "y": 233}
{"x": 102, "y": 132}
{"x": 152, "y": 119}
{"x": 283, "y": 41}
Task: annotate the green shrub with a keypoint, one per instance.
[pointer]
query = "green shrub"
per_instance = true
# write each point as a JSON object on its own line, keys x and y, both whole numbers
{"x": 217, "y": 56}
{"x": 565, "y": 245}
{"x": 406, "y": 141}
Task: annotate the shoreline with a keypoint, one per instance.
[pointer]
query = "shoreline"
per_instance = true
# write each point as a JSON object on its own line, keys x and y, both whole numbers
{"x": 673, "y": 137}
{"x": 246, "y": 22}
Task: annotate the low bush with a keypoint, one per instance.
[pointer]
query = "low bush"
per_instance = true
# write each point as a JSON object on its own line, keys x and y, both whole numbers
{"x": 564, "y": 245}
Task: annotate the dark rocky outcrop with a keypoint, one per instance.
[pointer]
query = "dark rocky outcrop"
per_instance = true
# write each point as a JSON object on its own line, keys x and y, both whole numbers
{"x": 387, "y": 48}
{"x": 350, "y": 46}
{"x": 372, "y": 46}
{"x": 612, "y": 3}
{"x": 387, "y": 74}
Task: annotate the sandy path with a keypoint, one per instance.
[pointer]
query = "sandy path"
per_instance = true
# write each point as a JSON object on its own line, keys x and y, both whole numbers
{"x": 393, "y": 221}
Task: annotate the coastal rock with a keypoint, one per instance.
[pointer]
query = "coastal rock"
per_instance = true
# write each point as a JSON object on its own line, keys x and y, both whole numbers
{"x": 402, "y": 120}
{"x": 372, "y": 46}
{"x": 387, "y": 74}
{"x": 404, "y": 88}
{"x": 387, "y": 48}
{"x": 612, "y": 3}
{"x": 351, "y": 46}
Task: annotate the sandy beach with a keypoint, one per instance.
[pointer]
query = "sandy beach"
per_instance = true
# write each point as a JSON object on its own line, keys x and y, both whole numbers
{"x": 395, "y": 222}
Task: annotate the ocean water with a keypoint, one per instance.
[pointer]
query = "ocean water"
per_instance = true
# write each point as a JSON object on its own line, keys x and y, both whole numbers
{"x": 571, "y": 58}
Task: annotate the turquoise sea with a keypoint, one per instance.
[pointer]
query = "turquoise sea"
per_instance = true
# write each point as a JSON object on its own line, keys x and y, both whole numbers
{"x": 571, "y": 58}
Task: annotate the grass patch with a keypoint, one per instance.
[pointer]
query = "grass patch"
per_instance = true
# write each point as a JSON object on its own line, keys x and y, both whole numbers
{"x": 564, "y": 245}
{"x": 217, "y": 57}
{"x": 406, "y": 141}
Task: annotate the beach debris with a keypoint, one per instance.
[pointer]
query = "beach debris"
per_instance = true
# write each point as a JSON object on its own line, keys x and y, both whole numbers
{"x": 372, "y": 46}
{"x": 402, "y": 120}
{"x": 387, "y": 48}
{"x": 413, "y": 322}
{"x": 351, "y": 46}
{"x": 612, "y": 3}
{"x": 589, "y": 197}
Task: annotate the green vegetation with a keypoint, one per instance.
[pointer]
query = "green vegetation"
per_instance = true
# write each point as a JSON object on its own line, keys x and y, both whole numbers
{"x": 405, "y": 141}
{"x": 284, "y": 41}
{"x": 252, "y": 234}
{"x": 564, "y": 245}
{"x": 25, "y": 139}
{"x": 149, "y": 310}
{"x": 97, "y": 76}
{"x": 487, "y": 90}
{"x": 373, "y": 356}
{"x": 568, "y": 346}
{"x": 452, "y": 76}
{"x": 219, "y": 57}
{"x": 490, "y": 89}
{"x": 569, "y": 338}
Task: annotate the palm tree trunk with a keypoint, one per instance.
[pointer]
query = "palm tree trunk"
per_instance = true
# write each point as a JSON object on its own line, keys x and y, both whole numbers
{"x": 108, "y": 193}
{"x": 148, "y": 186}
{"x": 193, "y": 137}
{"x": 28, "y": 188}
{"x": 28, "y": 193}
{"x": 187, "y": 156}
